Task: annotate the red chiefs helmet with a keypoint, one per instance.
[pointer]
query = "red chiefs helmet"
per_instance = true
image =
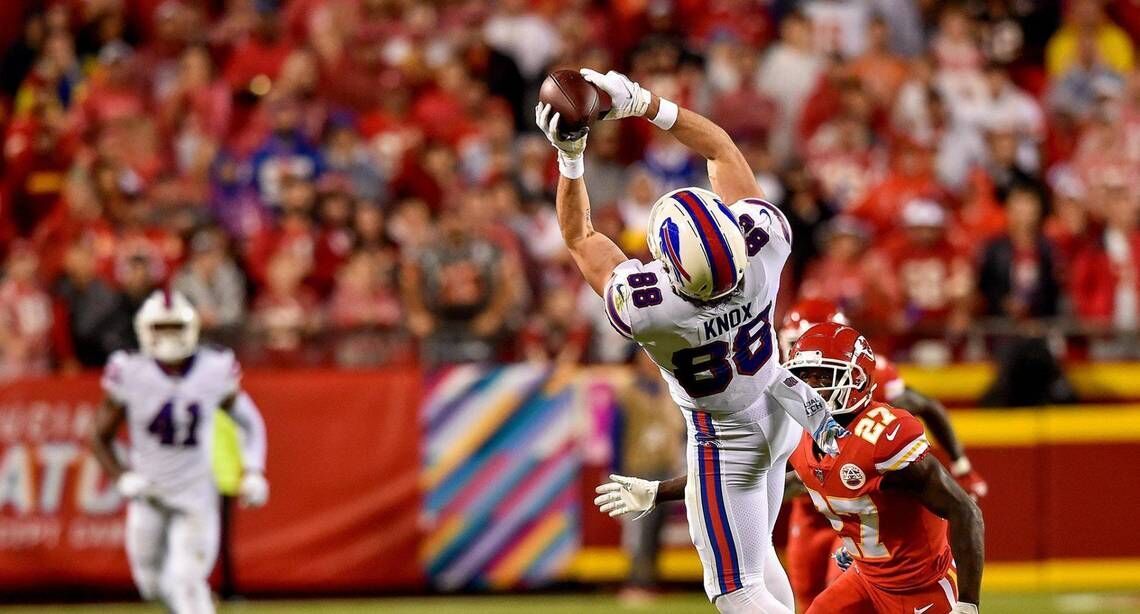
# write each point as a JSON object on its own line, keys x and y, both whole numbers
{"x": 846, "y": 352}
{"x": 804, "y": 315}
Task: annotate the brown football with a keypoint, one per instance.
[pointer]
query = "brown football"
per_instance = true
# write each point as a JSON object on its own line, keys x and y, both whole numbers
{"x": 578, "y": 100}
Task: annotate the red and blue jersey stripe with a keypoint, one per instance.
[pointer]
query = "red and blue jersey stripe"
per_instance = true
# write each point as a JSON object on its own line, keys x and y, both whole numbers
{"x": 713, "y": 506}
{"x": 716, "y": 249}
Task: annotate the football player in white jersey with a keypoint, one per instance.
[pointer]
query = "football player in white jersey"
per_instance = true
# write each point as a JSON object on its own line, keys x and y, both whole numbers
{"x": 167, "y": 394}
{"x": 702, "y": 310}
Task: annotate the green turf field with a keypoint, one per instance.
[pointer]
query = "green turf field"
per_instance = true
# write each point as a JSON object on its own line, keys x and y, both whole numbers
{"x": 1102, "y": 603}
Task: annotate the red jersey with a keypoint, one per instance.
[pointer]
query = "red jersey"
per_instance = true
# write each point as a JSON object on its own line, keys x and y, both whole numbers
{"x": 889, "y": 385}
{"x": 897, "y": 543}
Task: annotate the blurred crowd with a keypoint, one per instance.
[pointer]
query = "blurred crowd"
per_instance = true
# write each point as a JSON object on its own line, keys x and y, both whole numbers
{"x": 358, "y": 182}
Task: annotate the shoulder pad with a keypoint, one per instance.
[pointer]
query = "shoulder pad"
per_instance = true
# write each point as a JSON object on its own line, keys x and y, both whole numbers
{"x": 902, "y": 442}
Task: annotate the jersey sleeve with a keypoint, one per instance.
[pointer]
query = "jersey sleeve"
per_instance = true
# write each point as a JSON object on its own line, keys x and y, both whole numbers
{"x": 901, "y": 443}
{"x": 618, "y": 298}
{"x": 764, "y": 221}
{"x": 114, "y": 380}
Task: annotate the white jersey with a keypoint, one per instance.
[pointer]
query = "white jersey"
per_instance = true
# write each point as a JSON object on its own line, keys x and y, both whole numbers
{"x": 170, "y": 418}
{"x": 720, "y": 357}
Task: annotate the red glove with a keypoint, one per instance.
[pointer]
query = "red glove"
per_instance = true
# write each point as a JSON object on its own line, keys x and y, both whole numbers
{"x": 970, "y": 481}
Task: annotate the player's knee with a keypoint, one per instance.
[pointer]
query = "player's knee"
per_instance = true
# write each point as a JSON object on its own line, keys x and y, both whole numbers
{"x": 148, "y": 585}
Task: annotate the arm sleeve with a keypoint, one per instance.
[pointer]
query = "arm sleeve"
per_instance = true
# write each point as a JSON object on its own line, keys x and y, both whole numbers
{"x": 799, "y": 401}
{"x": 766, "y": 217}
{"x": 114, "y": 377}
{"x": 254, "y": 440}
{"x": 617, "y": 298}
{"x": 901, "y": 443}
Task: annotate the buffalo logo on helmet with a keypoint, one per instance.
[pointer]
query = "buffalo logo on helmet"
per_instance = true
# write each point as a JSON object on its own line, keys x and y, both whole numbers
{"x": 852, "y": 476}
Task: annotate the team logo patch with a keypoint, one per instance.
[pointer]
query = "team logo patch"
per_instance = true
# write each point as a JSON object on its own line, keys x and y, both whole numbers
{"x": 852, "y": 476}
{"x": 813, "y": 406}
{"x": 706, "y": 440}
{"x": 791, "y": 382}
{"x": 818, "y": 474}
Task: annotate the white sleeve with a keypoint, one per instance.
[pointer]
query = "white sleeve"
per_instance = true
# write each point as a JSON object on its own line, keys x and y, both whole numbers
{"x": 803, "y": 404}
{"x": 763, "y": 215}
{"x": 254, "y": 440}
{"x": 617, "y": 298}
{"x": 114, "y": 380}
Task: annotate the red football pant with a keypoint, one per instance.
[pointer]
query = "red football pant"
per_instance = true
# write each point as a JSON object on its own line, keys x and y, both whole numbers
{"x": 852, "y": 594}
{"x": 811, "y": 541}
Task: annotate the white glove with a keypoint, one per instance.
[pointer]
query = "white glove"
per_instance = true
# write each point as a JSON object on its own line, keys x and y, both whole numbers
{"x": 965, "y": 608}
{"x": 549, "y": 126}
{"x": 254, "y": 490}
{"x": 132, "y": 485}
{"x": 628, "y": 99}
{"x": 625, "y": 495}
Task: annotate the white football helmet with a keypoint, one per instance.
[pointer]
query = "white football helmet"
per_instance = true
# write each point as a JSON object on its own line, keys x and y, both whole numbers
{"x": 697, "y": 238}
{"x": 167, "y": 326}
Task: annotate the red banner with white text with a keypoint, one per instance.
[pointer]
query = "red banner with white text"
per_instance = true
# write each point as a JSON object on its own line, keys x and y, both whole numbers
{"x": 343, "y": 468}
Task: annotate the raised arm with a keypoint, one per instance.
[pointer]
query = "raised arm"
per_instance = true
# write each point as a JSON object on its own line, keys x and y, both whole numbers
{"x": 729, "y": 173}
{"x": 594, "y": 253}
{"x": 928, "y": 482}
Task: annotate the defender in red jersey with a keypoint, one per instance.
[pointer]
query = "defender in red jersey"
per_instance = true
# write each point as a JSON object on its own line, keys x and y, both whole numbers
{"x": 811, "y": 540}
{"x": 893, "y": 505}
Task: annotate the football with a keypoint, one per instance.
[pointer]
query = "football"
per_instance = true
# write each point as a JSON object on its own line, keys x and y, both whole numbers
{"x": 578, "y": 101}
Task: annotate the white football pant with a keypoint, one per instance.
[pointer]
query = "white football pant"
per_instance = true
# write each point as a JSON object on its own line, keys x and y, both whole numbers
{"x": 172, "y": 553}
{"x": 736, "y": 467}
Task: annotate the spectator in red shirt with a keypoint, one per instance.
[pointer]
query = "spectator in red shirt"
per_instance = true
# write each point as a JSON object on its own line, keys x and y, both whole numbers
{"x": 115, "y": 93}
{"x": 295, "y": 233}
{"x": 1104, "y": 281}
{"x": 26, "y": 318}
{"x": 841, "y": 273}
{"x": 255, "y": 62}
{"x": 911, "y": 176}
{"x": 286, "y": 313}
{"x": 558, "y": 332}
{"x": 928, "y": 279}
{"x": 196, "y": 96}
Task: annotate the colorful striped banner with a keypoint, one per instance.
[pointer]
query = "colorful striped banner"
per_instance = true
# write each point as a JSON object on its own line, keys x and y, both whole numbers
{"x": 500, "y": 476}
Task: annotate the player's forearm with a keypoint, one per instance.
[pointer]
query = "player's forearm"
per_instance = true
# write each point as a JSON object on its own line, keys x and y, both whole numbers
{"x": 934, "y": 416}
{"x": 254, "y": 440}
{"x": 573, "y": 207}
{"x": 967, "y": 543}
{"x": 102, "y": 446}
{"x": 107, "y": 421}
{"x": 699, "y": 134}
{"x": 594, "y": 253}
{"x": 672, "y": 489}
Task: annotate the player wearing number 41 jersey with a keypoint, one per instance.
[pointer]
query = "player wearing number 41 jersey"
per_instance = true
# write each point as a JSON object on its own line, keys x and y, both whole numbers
{"x": 892, "y": 504}
{"x": 702, "y": 311}
{"x": 167, "y": 395}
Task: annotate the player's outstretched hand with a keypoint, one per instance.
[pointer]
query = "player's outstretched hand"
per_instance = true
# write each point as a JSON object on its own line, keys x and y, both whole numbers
{"x": 843, "y": 558}
{"x": 549, "y": 125}
{"x": 965, "y": 608}
{"x": 132, "y": 485}
{"x": 628, "y": 99}
{"x": 254, "y": 490}
{"x": 625, "y": 495}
